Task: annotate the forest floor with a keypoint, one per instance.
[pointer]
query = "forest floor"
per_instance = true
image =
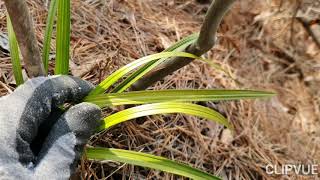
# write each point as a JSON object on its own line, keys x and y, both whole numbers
{"x": 259, "y": 43}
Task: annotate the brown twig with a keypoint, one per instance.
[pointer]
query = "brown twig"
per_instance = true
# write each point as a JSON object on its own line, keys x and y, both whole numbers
{"x": 295, "y": 13}
{"x": 307, "y": 25}
{"x": 23, "y": 27}
{"x": 204, "y": 43}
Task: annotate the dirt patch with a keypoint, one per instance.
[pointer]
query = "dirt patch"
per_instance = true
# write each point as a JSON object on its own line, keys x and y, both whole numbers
{"x": 259, "y": 43}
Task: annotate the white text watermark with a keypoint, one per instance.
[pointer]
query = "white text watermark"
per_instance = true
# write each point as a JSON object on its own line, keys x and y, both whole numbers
{"x": 286, "y": 169}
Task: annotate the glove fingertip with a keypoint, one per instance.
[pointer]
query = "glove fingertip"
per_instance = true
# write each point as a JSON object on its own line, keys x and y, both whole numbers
{"x": 83, "y": 119}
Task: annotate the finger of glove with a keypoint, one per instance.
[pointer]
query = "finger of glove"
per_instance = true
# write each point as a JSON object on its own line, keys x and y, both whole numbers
{"x": 64, "y": 144}
{"x": 36, "y": 98}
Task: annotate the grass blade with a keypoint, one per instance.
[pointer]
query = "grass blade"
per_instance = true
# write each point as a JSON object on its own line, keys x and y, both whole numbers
{"x": 163, "y": 108}
{"x": 63, "y": 37}
{"x": 147, "y": 160}
{"x": 48, "y": 33}
{"x": 143, "y": 97}
{"x": 14, "y": 53}
{"x": 178, "y": 46}
{"x": 114, "y": 77}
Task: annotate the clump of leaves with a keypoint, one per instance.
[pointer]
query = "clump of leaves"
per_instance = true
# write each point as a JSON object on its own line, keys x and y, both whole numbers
{"x": 149, "y": 102}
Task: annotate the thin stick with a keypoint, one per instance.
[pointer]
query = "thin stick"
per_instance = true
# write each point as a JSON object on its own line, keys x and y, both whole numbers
{"x": 23, "y": 27}
{"x": 307, "y": 25}
{"x": 205, "y": 42}
{"x": 6, "y": 87}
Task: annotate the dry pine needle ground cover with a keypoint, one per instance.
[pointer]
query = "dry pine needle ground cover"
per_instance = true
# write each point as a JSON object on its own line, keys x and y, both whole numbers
{"x": 259, "y": 43}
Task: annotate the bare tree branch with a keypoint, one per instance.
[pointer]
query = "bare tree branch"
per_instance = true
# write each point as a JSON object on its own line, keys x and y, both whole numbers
{"x": 204, "y": 43}
{"x": 23, "y": 27}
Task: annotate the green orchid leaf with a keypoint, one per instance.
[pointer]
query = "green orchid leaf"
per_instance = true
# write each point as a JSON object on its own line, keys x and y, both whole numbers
{"x": 178, "y": 46}
{"x": 48, "y": 33}
{"x": 164, "y": 108}
{"x": 63, "y": 37}
{"x": 114, "y": 77}
{"x": 144, "y": 97}
{"x": 149, "y": 161}
{"x": 14, "y": 53}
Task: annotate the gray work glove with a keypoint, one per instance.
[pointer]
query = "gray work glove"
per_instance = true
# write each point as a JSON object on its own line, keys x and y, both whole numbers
{"x": 31, "y": 115}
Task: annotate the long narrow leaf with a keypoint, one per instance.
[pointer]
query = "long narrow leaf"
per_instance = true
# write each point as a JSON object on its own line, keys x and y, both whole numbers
{"x": 143, "y": 97}
{"x": 147, "y": 160}
{"x": 178, "y": 46}
{"x": 163, "y": 108}
{"x": 48, "y": 33}
{"x": 14, "y": 53}
{"x": 63, "y": 37}
{"x": 114, "y": 77}
{"x": 183, "y": 42}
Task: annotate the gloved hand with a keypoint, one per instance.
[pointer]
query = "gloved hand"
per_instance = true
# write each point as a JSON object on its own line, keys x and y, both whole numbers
{"x": 31, "y": 114}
